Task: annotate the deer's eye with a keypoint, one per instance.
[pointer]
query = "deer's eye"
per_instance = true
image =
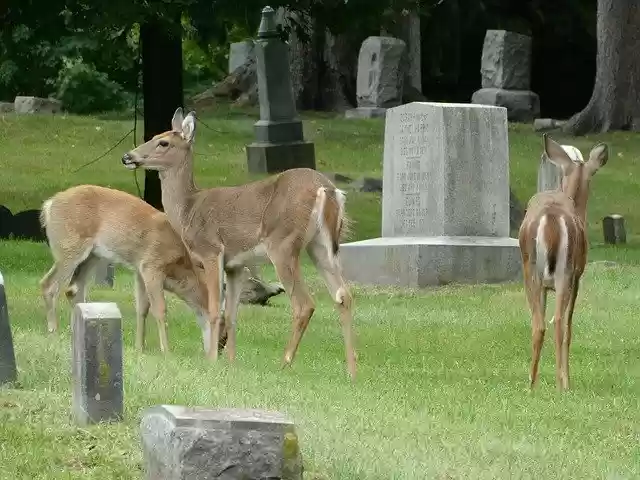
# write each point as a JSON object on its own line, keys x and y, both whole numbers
{"x": 163, "y": 143}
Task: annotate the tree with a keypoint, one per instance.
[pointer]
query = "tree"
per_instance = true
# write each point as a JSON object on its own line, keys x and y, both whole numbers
{"x": 615, "y": 101}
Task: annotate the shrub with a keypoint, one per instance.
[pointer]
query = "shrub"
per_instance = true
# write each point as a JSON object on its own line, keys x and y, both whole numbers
{"x": 82, "y": 89}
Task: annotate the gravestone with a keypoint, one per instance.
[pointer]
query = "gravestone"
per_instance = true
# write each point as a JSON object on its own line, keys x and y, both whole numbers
{"x": 104, "y": 273}
{"x": 506, "y": 73}
{"x": 280, "y": 143}
{"x": 239, "y": 53}
{"x": 181, "y": 443}
{"x": 8, "y": 372}
{"x": 28, "y": 105}
{"x": 97, "y": 363}
{"x": 380, "y": 77}
{"x": 7, "y": 107}
{"x": 614, "y": 230}
{"x": 445, "y": 200}
{"x": 550, "y": 175}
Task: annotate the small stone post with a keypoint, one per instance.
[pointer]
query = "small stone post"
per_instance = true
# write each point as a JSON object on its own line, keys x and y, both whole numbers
{"x": 614, "y": 230}
{"x": 8, "y": 372}
{"x": 280, "y": 143}
{"x": 104, "y": 273}
{"x": 97, "y": 363}
{"x": 549, "y": 176}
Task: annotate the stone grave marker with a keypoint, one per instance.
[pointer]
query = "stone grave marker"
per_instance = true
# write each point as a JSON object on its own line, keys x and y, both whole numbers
{"x": 8, "y": 373}
{"x": 27, "y": 105}
{"x": 97, "y": 363}
{"x": 380, "y": 78}
{"x": 104, "y": 273}
{"x": 614, "y": 230}
{"x": 506, "y": 73}
{"x": 239, "y": 53}
{"x": 550, "y": 175}
{"x": 445, "y": 200}
{"x": 181, "y": 443}
{"x": 280, "y": 143}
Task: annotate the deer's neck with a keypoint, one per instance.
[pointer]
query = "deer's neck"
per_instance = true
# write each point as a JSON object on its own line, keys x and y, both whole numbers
{"x": 178, "y": 189}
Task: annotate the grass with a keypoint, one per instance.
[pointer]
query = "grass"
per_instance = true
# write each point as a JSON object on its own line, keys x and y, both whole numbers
{"x": 442, "y": 387}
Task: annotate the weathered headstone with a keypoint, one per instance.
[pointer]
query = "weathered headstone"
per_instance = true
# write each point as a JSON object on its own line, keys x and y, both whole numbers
{"x": 614, "y": 230}
{"x": 546, "y": 124}
{"x": 8, "y": 372}
{"x": 23, "y": 104}
{"x": 239, "y": 53}
{"x": 550, "y": 175}
{"x": 445, "y": 200}
{"x": 506, "y": 74}
{"x": 104, "y": 273}
{"x": 7, "y": 107}
{"x": 380, "y": 77}
{"x": 181, "y": 443}
{"x": 97, "y": 363}
{"x": 280, "y": 143}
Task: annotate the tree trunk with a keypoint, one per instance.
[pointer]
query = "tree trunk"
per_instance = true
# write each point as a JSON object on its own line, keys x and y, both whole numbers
{"x": 162, "y": 88}
{"x": 615, "y": 101}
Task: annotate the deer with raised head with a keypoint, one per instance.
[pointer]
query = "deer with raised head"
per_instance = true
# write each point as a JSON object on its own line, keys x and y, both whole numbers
{"x": 87, "y": 222}
{"x": 553, "y": 244}
{"x": 228, "y": 228}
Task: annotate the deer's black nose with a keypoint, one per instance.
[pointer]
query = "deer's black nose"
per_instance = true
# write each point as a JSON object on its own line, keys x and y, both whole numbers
{"x": 126, "y": 158}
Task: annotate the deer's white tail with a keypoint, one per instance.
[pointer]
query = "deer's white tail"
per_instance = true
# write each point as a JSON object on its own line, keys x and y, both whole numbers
{"x": 552, "y": 242}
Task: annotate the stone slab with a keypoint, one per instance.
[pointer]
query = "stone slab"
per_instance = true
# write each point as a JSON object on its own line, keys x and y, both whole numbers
{"x": 239, "y": 53}
{"x": 273, "y": 158}
{"x": 380, "y": 76}
{"x": 8, "y": 372}
{"x": 521, "y": 105}
{"x": 96, "y": 363}
{"x": 181, "y": 443}
{"x": 27, "y": 105}
{"x": 506, "y": 60}
{"x": 446, "y": 171}
{"x": 614, "y": 230}
{"x": 7, "y": 107}
{"x": 365, "y": 112}
{"x": 419, "y": 262}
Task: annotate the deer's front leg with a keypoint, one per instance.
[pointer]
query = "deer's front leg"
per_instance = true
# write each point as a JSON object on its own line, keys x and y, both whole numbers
{"x": 214, "y": 273}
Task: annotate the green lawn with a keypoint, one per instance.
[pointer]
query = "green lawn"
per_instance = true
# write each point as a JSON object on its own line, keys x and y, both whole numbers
{"x": 442, "y": 373}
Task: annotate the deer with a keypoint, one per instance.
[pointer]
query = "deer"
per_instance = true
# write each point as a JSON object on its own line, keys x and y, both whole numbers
{"x": 553, "y": 244}
{"x": 87, "y": 223}
{"x": 269, "y": 220}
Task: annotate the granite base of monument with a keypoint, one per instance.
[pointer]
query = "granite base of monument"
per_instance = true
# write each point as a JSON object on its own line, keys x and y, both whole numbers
{"x": 418, "y": 262}
{"x": 278, "y": 157}
{"x": 365, "y": 112}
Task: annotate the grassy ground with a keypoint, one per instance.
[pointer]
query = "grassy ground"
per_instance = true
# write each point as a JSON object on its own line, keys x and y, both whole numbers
{"x": 442, "y": 380}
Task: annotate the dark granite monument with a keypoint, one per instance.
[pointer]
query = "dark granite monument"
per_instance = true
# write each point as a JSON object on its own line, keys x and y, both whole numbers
{"x": 280, "y": 143}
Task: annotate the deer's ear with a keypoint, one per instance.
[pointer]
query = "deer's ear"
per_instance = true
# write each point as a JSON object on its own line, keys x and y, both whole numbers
{"x": 189, "y": 127}
{"x": 597, "y": 158}
{"x": 557, "y": 155}
{"x": 176, "y": 121}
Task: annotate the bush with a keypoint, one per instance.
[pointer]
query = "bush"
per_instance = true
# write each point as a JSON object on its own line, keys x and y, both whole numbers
{"x": 83, "y": 90}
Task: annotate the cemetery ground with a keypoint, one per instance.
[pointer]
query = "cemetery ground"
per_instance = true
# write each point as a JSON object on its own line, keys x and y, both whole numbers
{"x": 442, "y": 389}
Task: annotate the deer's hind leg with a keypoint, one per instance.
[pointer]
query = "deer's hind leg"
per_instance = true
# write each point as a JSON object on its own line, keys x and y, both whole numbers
{"x": 285, "y": 257}
{"x": 328, "y": 264}
{"x": 66, "y": 262}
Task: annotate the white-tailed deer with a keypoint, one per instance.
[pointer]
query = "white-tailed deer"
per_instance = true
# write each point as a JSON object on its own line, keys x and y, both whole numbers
{"x": 553, "y": 244}
{"x": 88, "y": 222}
{"x": 228, "y": 228}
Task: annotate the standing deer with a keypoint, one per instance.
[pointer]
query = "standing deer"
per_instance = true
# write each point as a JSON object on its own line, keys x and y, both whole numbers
{"x": 86, "y": 223}
{"x": 553, "y": 244}
{"x": 228, "y": 228}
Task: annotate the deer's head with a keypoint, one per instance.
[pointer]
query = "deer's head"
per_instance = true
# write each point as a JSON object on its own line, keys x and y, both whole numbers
{"x": 576, "y": 173}
{"x": 166, "y": 150}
